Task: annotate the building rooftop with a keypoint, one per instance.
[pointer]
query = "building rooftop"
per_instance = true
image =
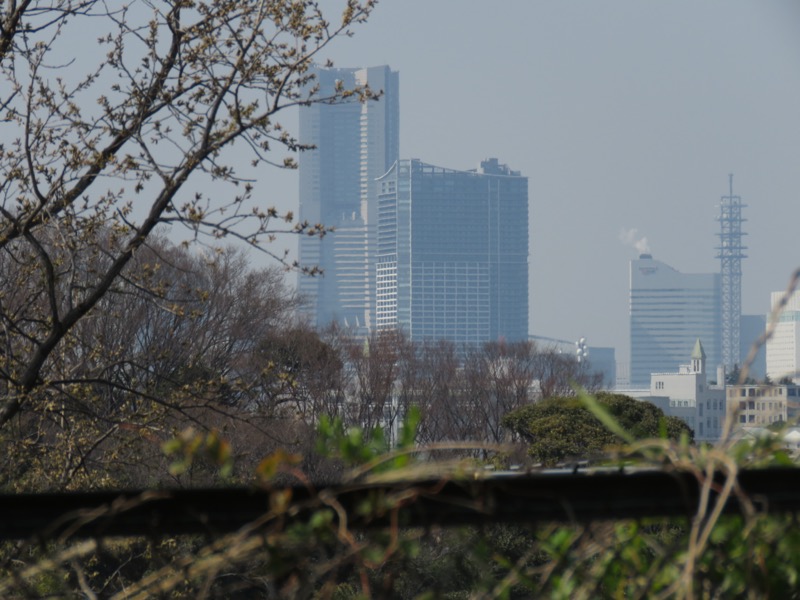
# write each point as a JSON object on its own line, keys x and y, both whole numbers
{"x": 698, "y": 351}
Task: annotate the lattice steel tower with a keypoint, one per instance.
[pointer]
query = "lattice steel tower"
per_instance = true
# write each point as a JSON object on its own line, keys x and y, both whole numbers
{"x": 731, "y": 253}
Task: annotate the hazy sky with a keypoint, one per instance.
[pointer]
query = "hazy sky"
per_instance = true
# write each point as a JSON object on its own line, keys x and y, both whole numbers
{"x": 623, "y": 114}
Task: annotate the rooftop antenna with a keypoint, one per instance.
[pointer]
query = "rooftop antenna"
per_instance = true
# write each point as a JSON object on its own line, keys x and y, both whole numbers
{"x": 731, "y": 253}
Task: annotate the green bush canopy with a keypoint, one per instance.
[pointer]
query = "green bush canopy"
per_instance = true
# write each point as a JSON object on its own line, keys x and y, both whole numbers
{"x": 562, "y": 429}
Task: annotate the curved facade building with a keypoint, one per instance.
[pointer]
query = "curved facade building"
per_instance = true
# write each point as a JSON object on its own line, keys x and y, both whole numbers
{"x": 669, "y": 312}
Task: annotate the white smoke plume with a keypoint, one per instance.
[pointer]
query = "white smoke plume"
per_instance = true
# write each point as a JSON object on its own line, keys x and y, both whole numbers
{"x": 631, "y": 238}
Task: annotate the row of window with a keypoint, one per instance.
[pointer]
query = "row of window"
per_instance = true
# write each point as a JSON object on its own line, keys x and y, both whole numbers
{"x": 752, "y": 405}
{"x": 761, "y": 419}
{"x": 759, "y": 392}
{"x": 711, "y": 405}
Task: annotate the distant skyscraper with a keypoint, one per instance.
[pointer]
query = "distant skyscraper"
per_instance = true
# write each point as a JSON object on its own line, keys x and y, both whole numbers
{"x": 752, "y": 328}
{"x": 669, "y": 312}
{"x": 452, "y": 256}
{"x": 355, "y": 143}
{"x": 783, "y": 348}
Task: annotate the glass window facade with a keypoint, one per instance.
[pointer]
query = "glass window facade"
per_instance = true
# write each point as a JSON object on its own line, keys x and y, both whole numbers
{"x": 354, "y": 144}
{"x": 669, "y": 311}
{"x": 452, "y": 257}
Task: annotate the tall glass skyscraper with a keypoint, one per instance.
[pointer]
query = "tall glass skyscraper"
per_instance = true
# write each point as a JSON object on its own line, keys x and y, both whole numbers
{"x": 355, "y": 143}
{"x": 452, "y": 252}
{"x": 669, "y": 312}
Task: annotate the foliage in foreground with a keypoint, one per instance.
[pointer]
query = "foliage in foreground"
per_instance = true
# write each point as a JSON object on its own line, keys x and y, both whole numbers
{"x": 753, "y": 554}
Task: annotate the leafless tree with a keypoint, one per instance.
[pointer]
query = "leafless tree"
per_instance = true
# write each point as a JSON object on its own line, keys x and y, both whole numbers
{"x": 119, "y": 121}
{"x": 434, "y": 383}
{"x": 150, "y": 360}
{"x": 558, "y": 374}
{"x": 372, "y": 364}
{"x": 146, "y": 127}
{"x": 499, "y": 376}
{"x": 464, "y": 393}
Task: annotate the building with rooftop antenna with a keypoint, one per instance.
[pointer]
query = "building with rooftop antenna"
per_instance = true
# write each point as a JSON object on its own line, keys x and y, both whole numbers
{"x": 452, "y": 256}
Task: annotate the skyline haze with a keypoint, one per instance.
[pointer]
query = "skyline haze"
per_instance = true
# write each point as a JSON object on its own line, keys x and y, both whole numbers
{"x": 624, "y": 117}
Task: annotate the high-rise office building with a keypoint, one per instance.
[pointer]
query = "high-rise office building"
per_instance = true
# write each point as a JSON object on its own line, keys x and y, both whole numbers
{"x": 783, "y": 348}
{"x": 452, "y": 255}
{"x": 752, "y": 328}
{"x": 354, "y": 144}
{"x": 669, "y": 312}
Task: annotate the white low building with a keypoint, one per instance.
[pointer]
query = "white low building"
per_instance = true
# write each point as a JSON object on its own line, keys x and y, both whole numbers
{"x": 688, "y": 396}
{"x": 760, "y": 404}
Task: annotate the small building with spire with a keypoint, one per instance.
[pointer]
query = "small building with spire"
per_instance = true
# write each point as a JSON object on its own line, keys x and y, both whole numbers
{"x": 689, "y": 396}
